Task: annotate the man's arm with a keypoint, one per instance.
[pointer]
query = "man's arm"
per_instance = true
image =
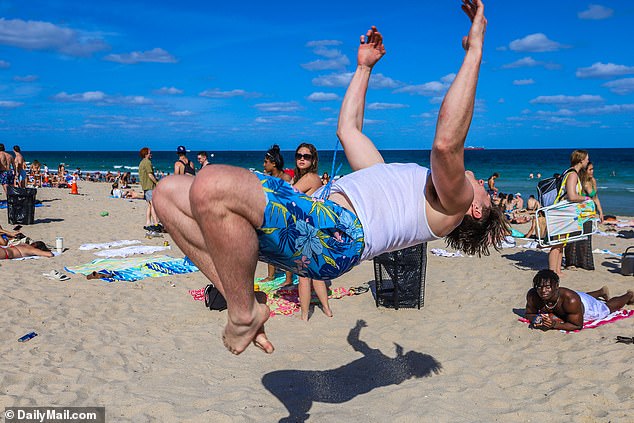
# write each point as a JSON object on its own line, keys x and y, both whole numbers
{"x": 531, "y": 307}
{"x": 574, "y": 314}
{"x": 454, "y": 118}
{"x": 359, "y": 149}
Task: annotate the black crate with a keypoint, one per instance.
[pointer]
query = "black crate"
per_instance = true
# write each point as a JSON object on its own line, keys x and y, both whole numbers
{"x": 21, "y": 205}
{"x": 400, "y": 277}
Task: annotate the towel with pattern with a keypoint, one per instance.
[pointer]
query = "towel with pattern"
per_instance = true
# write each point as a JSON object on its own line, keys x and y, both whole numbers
{"x": 284, "y": 301}
{"x": 591, "y": 324}
{"x": 136, "y": 268}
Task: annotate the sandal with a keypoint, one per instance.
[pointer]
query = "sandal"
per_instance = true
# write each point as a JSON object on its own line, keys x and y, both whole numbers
{"x": 55, "y": 275}
{"x": 624, "y": 340}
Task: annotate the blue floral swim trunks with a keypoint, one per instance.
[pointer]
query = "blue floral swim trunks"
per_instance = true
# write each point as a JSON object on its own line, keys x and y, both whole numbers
{"x": 6, "y": 177}
{"x": 309, "y": 237}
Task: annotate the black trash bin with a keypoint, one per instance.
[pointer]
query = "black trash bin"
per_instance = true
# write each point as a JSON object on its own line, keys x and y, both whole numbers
{"x": 400, "y": 277}
{"x": 21, "y": 205}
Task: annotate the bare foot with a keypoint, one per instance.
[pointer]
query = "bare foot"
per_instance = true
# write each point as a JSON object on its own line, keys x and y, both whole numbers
{"x": 239, "y": 334}
{"x": 631, "y": 301}
{"x": 327, "y": 311}
{"x": 305, "y": 316}
{"x": 605, "y": 293}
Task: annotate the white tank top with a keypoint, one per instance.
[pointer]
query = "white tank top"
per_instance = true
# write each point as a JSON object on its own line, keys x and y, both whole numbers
{"x": 389, "y": 200}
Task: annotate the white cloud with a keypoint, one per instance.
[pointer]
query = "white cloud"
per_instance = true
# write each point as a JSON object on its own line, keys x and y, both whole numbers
{"x": 621, "y": 86}
{"x": 604, "y": 70}
{"x": 377, "y": 81}
{"x": 182, "y": 113}
{"x": 529, "y": 81}
{"x": 216, "y": 93}
{"x": 339, "y": 62}
{"x": 426, "y": 89}
{"x": 277, "y": 118}
{"x": 101, "y": 97}
{"x": 38, "y": 35}
{"x": 4, "y": 64}
{"x": 567, "y": 99}
{"x": 609, "y": 109}
{"x": 168, "y": 91}
{"x": 156, "y": 55}
{"x": 535, "y": 43}
{"x": 321, "y": 96}
{"x": 289, "y": 106}
{"x": 323, "y": 43}
{"x": 10, "y": 104}
{"x": 596, "y": 12}
{"x": 327, "y": 122}
{"x": 26, "y": 78}
{"x": 386, "y": 106}
{"x": 560, "y": 112}
{"x": 529, "y": 62}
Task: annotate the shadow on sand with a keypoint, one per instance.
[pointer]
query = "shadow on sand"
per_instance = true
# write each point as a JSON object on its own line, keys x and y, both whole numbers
{"x": 299, "y": 389}
{"x": 531, "y": 259}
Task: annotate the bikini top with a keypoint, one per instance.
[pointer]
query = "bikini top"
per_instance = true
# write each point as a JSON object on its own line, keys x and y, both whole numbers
{"x": 189, "y": 167}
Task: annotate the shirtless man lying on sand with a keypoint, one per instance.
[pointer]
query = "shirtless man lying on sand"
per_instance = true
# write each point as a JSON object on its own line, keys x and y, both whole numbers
{"x": 227, "y": 218}
{"x": 550, "y": 306}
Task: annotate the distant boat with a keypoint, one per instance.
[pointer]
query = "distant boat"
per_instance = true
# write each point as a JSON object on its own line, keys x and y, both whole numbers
{"x": 469, "y": 147}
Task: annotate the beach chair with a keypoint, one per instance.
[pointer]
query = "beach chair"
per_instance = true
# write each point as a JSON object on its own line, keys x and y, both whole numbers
{"x": 566, "y": 222}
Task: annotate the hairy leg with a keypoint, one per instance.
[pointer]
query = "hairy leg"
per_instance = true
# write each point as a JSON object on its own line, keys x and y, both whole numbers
{"x": 227, "y": 203}
{"x": 173, "y": 202}
{"x": 603, "y": 293}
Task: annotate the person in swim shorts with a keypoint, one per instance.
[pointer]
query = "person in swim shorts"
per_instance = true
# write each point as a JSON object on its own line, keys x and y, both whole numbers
{"x": 227, "y": 217}
{"x": 549, "y": 306}
{"x": 20, "y": 167}
{"x": 6, "y": 169}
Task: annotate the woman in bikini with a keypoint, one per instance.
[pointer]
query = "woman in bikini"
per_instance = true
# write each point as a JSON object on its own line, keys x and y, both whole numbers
{"x": 37, "y": 248}
{"x": 307, "y": 180}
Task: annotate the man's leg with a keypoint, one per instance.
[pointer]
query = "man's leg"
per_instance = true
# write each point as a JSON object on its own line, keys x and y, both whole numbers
{"x": 616, "y": 303}
{"x": 212, "y": 218}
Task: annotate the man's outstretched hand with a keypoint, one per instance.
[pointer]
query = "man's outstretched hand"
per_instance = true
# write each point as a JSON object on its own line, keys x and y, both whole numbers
{"x": 371, "y": 49}
{"x": 475, "y": 11}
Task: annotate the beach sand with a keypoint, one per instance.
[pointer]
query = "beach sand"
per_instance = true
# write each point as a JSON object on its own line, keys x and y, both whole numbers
{"x": 148, "y": 352}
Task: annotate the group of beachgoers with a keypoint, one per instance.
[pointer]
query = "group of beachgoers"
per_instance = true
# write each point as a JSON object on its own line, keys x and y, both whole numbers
{"x": 578, "y": 184}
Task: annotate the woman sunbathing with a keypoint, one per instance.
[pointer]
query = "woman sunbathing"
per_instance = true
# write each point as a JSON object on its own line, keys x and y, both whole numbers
{"x": 37, "y": 248}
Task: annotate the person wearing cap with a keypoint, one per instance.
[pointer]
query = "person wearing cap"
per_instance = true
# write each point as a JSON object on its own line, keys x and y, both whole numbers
{"x": 519, "y": 201}
{"x": 183, "y": 166}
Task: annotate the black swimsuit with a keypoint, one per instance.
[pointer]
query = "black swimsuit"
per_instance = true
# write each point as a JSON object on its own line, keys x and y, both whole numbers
{"x": 189, "y": 168}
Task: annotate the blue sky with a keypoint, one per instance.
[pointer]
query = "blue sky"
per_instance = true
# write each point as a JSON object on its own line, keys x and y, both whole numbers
{"x": 118, "y": 75}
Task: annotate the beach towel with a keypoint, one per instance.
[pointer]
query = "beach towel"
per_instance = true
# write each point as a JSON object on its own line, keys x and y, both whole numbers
{"x": 135, "y": 268}
{"x": 591, "y": 324}
{"x": 3, "y": 204}
{"x": 109, "y": 244}
{"x": 605, "y": 251}
{"x": 284, "y": 301}
{"x": 508, "y": 242}
{"x": 129, "y": 251}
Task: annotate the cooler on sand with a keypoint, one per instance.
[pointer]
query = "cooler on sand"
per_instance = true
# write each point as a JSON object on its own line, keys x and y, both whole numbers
{"x": 21, "y": 205}
{"x": 400, "y": 277}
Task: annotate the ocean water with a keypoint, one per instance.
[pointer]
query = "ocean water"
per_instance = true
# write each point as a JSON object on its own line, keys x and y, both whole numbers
{"x": 614, "y": 168}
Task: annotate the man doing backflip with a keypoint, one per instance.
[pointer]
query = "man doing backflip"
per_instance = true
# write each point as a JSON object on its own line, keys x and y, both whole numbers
{"x": 226, "y": 218}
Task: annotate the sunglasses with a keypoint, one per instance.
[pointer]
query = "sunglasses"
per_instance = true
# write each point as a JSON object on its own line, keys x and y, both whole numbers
{"x": 299, "y": 156}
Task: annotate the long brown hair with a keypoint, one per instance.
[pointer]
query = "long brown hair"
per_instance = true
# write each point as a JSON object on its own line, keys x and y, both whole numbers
{"x": 314, "y": 164}
{"x": 473, "y": 236}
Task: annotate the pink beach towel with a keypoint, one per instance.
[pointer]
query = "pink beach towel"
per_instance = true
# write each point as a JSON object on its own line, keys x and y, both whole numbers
{"x": 591, "y": 324}
{"x": 284, "y": 301}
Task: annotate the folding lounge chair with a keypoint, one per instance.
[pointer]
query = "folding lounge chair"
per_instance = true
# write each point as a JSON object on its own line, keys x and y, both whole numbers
{"x": 566, "y": 222}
